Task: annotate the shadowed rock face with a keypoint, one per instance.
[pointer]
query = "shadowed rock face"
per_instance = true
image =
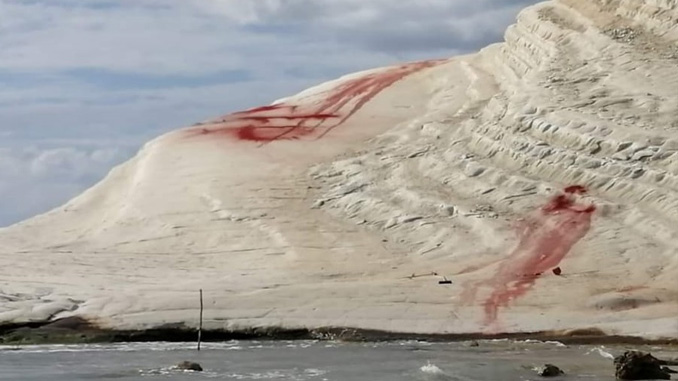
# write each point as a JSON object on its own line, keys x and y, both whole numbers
{"x": 539, "y": 176}
{"x": 189, "y": 365}
{"x": 549, "y": 370}
{"x": 634, "y": 365}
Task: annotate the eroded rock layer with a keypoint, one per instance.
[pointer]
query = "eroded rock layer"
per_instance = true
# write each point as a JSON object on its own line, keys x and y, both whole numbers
{"x": 539, "y": 176}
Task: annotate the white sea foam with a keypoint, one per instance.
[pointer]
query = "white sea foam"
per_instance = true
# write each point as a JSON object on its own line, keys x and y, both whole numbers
{"x": 431, "y": 369}
{"x": 602, "y": 352}
{"x": 313, "y": 372}
{"x": 121, "y": 347}
{"x": 551, "y": 342}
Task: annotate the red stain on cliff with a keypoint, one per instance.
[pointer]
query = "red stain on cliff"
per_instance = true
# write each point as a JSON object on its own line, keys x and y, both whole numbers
{"x": 543, "y": 241}
{"x": 314, "y": 120}
{"x": 575, "y": 189}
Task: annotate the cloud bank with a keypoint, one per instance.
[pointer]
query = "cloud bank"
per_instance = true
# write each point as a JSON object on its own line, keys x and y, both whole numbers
{"x": 83, "y": 83}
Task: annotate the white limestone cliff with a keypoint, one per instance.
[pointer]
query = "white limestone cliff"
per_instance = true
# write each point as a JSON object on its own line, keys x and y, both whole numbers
{"x": 362, "y": 193}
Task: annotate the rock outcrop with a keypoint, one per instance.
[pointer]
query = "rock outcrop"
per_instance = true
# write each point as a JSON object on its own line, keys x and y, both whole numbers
{"x": 633, "y": 365}
{"x": 549, "y": 370}
{"x": 539, "y": 175}
{"x": 189, "y": 365}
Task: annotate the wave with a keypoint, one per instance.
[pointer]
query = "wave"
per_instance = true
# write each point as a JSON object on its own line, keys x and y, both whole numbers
{"x": 431, "y": 369}
{"x": 120, "y": 347}
{"x": 602, "y": 352}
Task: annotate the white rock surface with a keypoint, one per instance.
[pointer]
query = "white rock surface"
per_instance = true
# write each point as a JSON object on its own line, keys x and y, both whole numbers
{"x": 443, "y": 171}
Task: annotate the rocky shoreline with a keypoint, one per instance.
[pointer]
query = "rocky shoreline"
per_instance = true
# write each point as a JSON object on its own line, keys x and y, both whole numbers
{"x": 528, "y": 187}
{"x": 76, "y": 330}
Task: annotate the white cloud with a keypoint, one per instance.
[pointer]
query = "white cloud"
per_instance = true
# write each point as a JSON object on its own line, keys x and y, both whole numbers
{"x": 198, "y": 36}
{"x": 131, "y": 37}
{"x": 72, "y": 163}
{"x": 77, "y": 161}
{"x": 388, "y": 25}
{"x": 83, "y": 83}
{"x": 35, "y": 179}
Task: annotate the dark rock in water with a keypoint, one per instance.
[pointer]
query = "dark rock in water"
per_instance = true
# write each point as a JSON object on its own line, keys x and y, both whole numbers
{"x": 474, "y": 344}
{"x": 549, "y": 370}
{"x": 188, "y": 365}
{"x": 634, "y": 365}
{"x": 668, "y": 370}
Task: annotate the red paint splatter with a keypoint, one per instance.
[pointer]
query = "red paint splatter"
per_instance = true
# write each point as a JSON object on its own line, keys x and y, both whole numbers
{"x": 288, "y": 121}
{"x": 258, "y": 109}
{"x": 565, "y": 202}
{"x": 575, "y": 189}
{"x": 543, "y": 241}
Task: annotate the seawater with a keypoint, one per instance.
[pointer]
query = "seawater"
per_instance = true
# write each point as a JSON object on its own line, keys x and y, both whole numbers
{"x": 308, "y": 360}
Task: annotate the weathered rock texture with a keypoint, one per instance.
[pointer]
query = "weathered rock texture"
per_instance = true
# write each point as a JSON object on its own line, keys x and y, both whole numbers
{"x": 540, "y": 176}
{"x": 633, "y": 365}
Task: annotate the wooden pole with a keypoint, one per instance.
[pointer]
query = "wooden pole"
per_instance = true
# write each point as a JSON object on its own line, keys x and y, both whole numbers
{"x": 200, "y": 322}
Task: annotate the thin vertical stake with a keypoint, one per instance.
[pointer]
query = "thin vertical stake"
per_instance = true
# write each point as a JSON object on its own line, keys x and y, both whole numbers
{"x": 200, "y": 322}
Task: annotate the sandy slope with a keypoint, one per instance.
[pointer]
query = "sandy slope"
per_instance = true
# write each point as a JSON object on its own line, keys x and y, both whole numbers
{"x": 540, "y": 175}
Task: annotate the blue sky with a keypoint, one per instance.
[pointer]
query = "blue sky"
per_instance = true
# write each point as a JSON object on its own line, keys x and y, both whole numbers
{"x": 84, "y": 83}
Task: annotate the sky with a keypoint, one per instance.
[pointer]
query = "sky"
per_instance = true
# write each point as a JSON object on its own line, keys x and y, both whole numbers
{"x": 85, "y": 83}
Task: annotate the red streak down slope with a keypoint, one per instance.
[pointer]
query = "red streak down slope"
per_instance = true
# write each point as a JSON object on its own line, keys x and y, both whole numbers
{"x": 289, "y": 121}
{"x": 543, "y": 241}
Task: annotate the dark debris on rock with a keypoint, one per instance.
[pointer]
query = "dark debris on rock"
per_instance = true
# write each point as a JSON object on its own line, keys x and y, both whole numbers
{"x": 634, "y": 365}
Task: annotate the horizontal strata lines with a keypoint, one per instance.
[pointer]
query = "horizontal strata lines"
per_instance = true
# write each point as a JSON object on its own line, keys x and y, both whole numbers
{"x": 536, "y": 37}
{"x": 453, "y": 210}
{"x": 622, "y": 191}
{"x": 562, "y": 16}
{"x": 659, "y": 14}
{"x": 532, "y": 161}
{"x": 518, "y": 54}
{"x": 467, "y": 177}
{"x": 455, "y": 173}
{"x": 566, "y": 111}
{"x": 620, "y": 158}
{"x": 530, "y": 43}
{"x": 439, "y": 188}
{"x": 593, "y": 141}
{"x": 493, "y": 139}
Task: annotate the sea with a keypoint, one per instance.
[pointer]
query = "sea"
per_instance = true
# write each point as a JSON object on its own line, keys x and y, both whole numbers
{"x": 312, "y": 360}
